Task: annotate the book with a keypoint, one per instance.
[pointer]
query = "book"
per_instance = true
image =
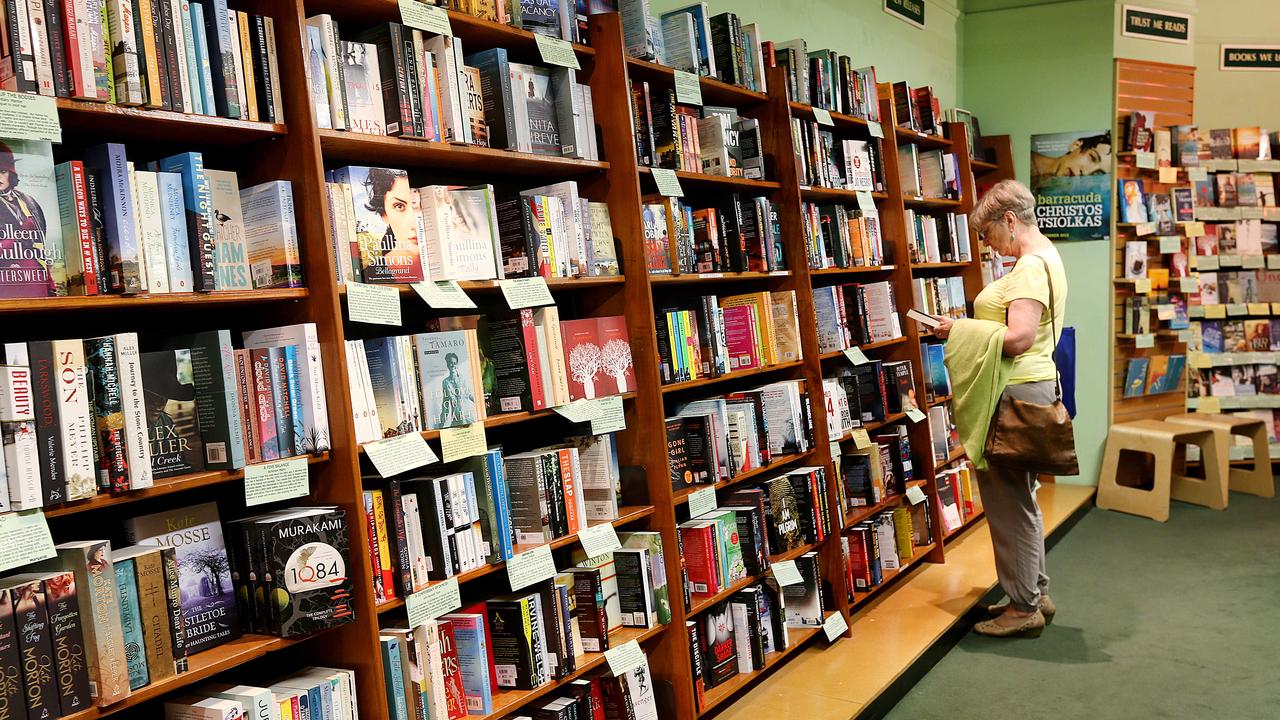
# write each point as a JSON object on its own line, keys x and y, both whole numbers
{"x": 172, "y": 415}
{"x": 231, "y": 255}
{"x": 386, "y": 228}
{"x": 271, "y": 235}
{"x": 306, "y": 555}
{"x": 32, "y": 259}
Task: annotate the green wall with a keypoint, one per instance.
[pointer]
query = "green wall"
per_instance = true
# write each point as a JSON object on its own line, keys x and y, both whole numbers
{"x": 1235, "y": 99}
{"x": 1132, "y": 48}
{"x": 1042, "y": 69}
{"x": 861, "y": 30}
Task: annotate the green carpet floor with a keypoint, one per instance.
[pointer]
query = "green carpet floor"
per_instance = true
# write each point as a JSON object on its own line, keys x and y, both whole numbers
{"x": 1155, "y": 620}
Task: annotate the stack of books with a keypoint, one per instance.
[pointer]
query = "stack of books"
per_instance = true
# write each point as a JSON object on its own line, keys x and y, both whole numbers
{"x": 1156, "y": 374}
{"x": 320, "y": 693}
{"x": 917, "y": 109}
{"x": 837, "y": 236}
{"x": 867, "y": 393}
{"x": 714, "y": 335}
{"x": 198, "y": 57}
{"x": 940, "y": 297}
{"x": 734, "y": 235}
{"x": 824, "y": 79}
{"x": 869, "y": 475}
{"x": 930, "y": 174}
{"x": 880, "y": 545}
{"x": 938, "y": 238}
{"x": 98, "y": 225}
{"x": 855, "y": 314}
{"x": 192, "y": 404}
{"x": 712, "y": 140}
{"x": 826, "y": 160}
{"x": 693, "y": 40}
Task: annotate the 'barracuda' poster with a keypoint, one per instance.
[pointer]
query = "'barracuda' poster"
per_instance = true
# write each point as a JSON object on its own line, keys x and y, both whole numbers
{"x": 1071, "y": 179}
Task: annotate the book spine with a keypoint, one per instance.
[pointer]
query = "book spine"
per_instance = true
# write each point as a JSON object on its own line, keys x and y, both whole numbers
{"x": 404, "y": 564}
{"x": 152, "y": 228}
{"x": 44, "y": 390}
{"x": 40, "y": 46}
{"x": 264, "y": 405}
{"x": 200, "y": 225}
{"x": 119, "y": 219}
{"x": 128, "y": 360}
{"x": 173, "y": 609}
{"x": 131, "y": 623}
{"x": 124, "y": 55}
{"x": 280, "y": 401}
{"x": 149, "y": 57}
{"x": 203, "y": 67}
{"x": 273, "y": 68}
{"x": 35, "y": 644}
{"x": 108, "y": 413}
{"x": 262, "y": 79}
{"x": 221, "y": 61}
{"x": 11, "y": 691}
{"x": 58, "y": 51}
{"x": 160, "y": 55}
{"x": 293, "y": 386}
{"x": 153, "y": 608}
{"x": 176, "y": 55}
{"x": 174, "y": 249}
{"x": 247, "y": 402}
{"x": 385, "y": 565}
{"x": 191, "y": 65}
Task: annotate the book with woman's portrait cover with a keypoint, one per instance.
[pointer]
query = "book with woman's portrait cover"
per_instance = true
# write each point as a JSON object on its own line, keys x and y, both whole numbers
{"x": 386, "y": 223}
{"x": 31, "y": 258}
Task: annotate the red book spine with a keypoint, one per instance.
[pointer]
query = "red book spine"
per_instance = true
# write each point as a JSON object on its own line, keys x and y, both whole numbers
{"x": 455, "y": 694}
{"x": 264, "y": 404}
{"x": 536, "y": 391}
{"x": 700, "y": 558}
{"x": 571, "y": 490}
{"x": 84, "y": 229}
{"x": 248, "y": 411}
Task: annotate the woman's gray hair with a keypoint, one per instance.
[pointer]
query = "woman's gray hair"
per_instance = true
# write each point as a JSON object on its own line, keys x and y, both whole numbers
{"x": 1006, "y": 196}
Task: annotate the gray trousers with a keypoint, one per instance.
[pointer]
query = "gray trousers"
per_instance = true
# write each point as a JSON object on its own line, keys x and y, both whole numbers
{"x": 1017, "y": 528}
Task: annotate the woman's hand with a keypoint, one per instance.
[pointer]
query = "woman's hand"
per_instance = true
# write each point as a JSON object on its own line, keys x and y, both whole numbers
{"x": 944, "y": 328}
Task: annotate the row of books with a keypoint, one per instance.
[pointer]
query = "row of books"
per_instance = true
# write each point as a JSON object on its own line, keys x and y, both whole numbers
{"x": 736, "y": 235}
{"x": 855, "y": 314}
{"x": 825, "y": 79}
{"x": 198, "y": 57}
{"x": 937, "y": 379}
{"x": 99, "y": 225}
{"x": 1233, "y": 381}
{"x": 1238, "y": 335}
{"x": 711, "y": 139}
{"x": 938, "y": 238}
{"x": 1221, "y": 190}
{"x": 942, "y": 432}
{"x": 712, "y": 336}
{"x": 826, "y": 160}
{"x": 1238, "y": 286}
{"x": 1190, "y": 146}
{"x": 882, "y": 469}
{"x": 882, "y": 544}
{"x": 839, "y": 236}
{"x": 917, "y": 109}
{"x": 83, "y": 417}
{"x": 473, "y": 366}
{"x": 433, "y": 528}
{"x": 737, "y": 636}
{"x": 318, "y": 693}
{"x": 928, "y": 173}
{"x": 958, "y": 497}
{"x": 455, "y": 665}
{"x": 693, "y": 40}
{"x": 939, "y": 296}
{"x": 385, "y": 231}
{"x": 1156, "y": 374}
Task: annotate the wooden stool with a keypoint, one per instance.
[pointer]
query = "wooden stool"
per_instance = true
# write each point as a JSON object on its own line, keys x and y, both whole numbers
{"x": 1256, "y": 480}
{"x": 1160, "y": 440}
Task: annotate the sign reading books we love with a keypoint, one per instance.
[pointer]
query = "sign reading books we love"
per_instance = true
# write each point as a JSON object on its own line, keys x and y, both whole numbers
{"x": 1249, "y": 57}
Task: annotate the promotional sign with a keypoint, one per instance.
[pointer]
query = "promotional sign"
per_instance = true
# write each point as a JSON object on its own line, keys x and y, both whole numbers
{"x": 1071, "y": 179}
{"x": 1153, "y": 24}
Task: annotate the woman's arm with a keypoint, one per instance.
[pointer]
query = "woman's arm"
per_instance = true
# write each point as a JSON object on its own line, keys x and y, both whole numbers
{"x": 1024, "y": 320}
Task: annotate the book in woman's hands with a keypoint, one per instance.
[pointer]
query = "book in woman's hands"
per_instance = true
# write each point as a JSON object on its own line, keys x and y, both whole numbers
{"x": 927, "y": 320}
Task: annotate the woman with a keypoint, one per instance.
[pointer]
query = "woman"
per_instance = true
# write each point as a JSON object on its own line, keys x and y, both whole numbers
{"x": 1006, "y": 221}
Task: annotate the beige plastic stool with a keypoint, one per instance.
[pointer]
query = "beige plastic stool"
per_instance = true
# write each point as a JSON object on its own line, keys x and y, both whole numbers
{"x": 1160, "y": 440}
{"x": 1255, "y": 480}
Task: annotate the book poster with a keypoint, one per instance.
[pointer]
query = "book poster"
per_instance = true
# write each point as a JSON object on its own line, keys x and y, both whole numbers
{"x": 1071, "y": 179}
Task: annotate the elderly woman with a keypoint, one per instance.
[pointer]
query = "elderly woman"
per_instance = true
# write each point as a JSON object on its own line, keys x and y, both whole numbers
{"x": 1019, "y": 306}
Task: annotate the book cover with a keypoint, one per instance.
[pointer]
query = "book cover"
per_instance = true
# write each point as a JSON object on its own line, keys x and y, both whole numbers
{"x": 363, "y": 88}
{"x": 11, "y": 691}
{"x": 308, "y": 556}
{"x": 231, "y": 255}
{"x": 271, "y": 234}
{"x": 720, "y": 656}
{"x": 39, "y": 671}
{"x": 133, "y": 404}
{"x": 198, "y": 197}
{"x": 32, "y": 262}
{"x": 455, "y": 695}
{"x": 473, "y": 102}
{"x": 385, "y": 223}
{"x": 209, "y": 608}
{"x": 617, "y": 367}
{"x": 535, "y": 92}
{"x": 445, "y": 364}
{"x": 471, "y": 641}
{"x": 108, "y": 413}
{"x": 131, "y": 622}
{"x": 67, "y": 640}
{"x": 172, "y": 414}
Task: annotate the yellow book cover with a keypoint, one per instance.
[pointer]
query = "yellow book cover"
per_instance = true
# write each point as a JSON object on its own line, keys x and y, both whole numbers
{"x": 760, "y": 303}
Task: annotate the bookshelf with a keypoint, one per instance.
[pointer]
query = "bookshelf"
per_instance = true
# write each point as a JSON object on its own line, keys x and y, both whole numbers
{"x": 299, "y": 151}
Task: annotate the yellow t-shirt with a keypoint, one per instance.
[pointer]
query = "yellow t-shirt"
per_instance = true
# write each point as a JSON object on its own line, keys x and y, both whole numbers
{"x": 1028, "y": 280}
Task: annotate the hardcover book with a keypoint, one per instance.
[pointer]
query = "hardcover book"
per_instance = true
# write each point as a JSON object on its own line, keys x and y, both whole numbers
{"x": 32, "y": 263}
{"x": 307, "y": 555}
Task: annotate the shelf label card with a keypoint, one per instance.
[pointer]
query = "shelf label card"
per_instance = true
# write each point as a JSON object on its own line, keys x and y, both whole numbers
{"x": 914, "y": 415}
{"x": 688, "y": 88}
{"x": 443, "y": 294}
{"x": 1145, "y": 159}
{"x": 915, "y": 494}
{"x": 433, "y": 601}
{"x": 1193, "y": 228}
{"x": 400, "y": 454}
{"x": 1198, "y": 174}
{"x": 1259, "y": 308}
{"x": 531, "y": 566}
{"x": 463, "y": 442}
{"x": 1199, "y": 360}
{"x": 1142, "y": 286}
{"x": 1207, "y": 262}
{"x": 1189, "y": 284}
{"x": 866, "y": 203}
{"x": 856, "y": 356}
{"x": 1229, "y": 260}
{"x": 1252, "y": 262}
{"x": 822, "y": 116}
{"x": 29, "y": 117}
{"x": 861, "y": 439}
{"x": 24, "y": 538}
{"x": 555, "y": 51}
{"x": 1275, "y": 308}
{"x": 625, "y": 658}
{"x": 431, "y": 18}
{"x": 702, "y": 502}
{"x": 1164, "y": 312}
{"x": 599, "y": 539}
{"x": 1216, "y": 311}
{"x": 1184, "y": 335}
{"x": 1144, "y": 229}
{"x": 373, "y": 304}
{"x": 1169, "y": 175}
{"x": 874, "y": 128}
{"x": 1273, "y": 262}
{"x": 1144, "y": 340}
{"x": 1171, "y": 244}
{"x": 275, "y": 481}
{"x": 835, "y": 626}
{"x": 786, "y": 573}
{"x": 609, "y": 415}
{"x": 526, "y": 292}
{"x": 580, "y": 410}
{"x": 1209, "y": 405}
{"x": 667, "y": 182}
{"x": 1237, "y": 309}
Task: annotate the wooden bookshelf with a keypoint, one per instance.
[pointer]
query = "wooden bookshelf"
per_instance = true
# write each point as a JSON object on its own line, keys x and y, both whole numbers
{"x": 729, "y": 689}
{"x": 148, "y": 301}
{"x": 352, "y": 147}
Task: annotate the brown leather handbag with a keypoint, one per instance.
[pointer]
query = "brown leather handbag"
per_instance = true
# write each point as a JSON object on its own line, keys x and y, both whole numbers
{"x": 1030, "y": 436}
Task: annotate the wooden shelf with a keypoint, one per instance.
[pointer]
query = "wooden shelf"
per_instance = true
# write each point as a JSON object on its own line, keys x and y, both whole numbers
{"x": 924, "y": 140}
{"x": 924, "y": 203}
{"x": 489, "y": 287}
{"x": 982, "y": 167}
{"x": 814, "y": 193}
{"x": 862, "y": 598}
{"x": 841, "y": 120}
{"x": 873, "y": 426}
{"x": 721, "y": 183}
{"x": 714, "y": 92}
{"x": 682, "y": 496}
{"x": 690, "y": 278}
{"x": 701, "y": 603}
{"x": 716, "y": 696}
{"x": 627, "y": 514}
{"x": 866, "y": 347}
{"x": 148, "y": 301}
{"x": 503, "y": 419}
{"x": 950, "y": 265}
{"x": 201, "y": 666}
{"x": 117, "y": 122}
{"x": 956, "y": 456}
{"x": 341, "y": 145}
{"x": 165, "y": 486}
{"x": 728, "y": 377}
{"x": 506, "y": 702}
{"x": 852, "y": 270}
{"x": 942, "y": 399}
{"x": 858, "y": 514}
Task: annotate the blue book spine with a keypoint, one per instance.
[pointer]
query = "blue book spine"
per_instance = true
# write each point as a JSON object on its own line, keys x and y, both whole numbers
{"x": 108, "y": 162}
{"x": 299, "y": 432}
{"x": 173, "y": 219}
{"x": 235, "y": 422}
{"x": 283, "y": 406}
{"x": 131, "y": 623}
{"x": 198, "y": 197}
{"x": 473, "y": 660}
{"x": 217, "y": 30}
{"x": 202, "y": 58}
{"x": 502, "y": 501}
{"x": 393, "y": 678}
{"x": 193, "y": 63}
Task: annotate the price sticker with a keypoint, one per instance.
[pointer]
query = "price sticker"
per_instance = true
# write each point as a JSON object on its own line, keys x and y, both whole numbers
{"x": 625, "y": 658}
{"x": 1216, "y": 311}
{"x": 861, "y": 439}
{"x": 835, "y": 626}
{"x": 702, "y": 502}
{"x": 915, "y": 416}
{"x": 786, "y": 573}
{"x": 1170, "y": 244}
{"x": 1164, "y": 312}
{"x": 1142, "y": 286}
{"x": 580, "y": 410}
{"x": 1252, "y": 262}
{"x": 1197, "y": 174}
{"x": 24, "y": 539}
{"x": 667, "y": 182}
{"x": 29, "y": 117}
{"x": 1237, "y": 309}
{"x": 1259, "y": 308}
{"x": 1193, "y": 228}
{"x": 555, "y": 51}
{"x": 1207, "y": 262}
{"x": 609, "y": 416}
{"x": 400, "y": 454}
{"x": 823, "y": 117}
{"x": 463, "y": 442}
{"x": 1189, "y": 284}
{"x": 433, "y": 601}
{"x": 1273, "y": 262}
{"x": 1184, "y": 335}
{"x": 1229, "y": 260}
{"x": 688, "y": 88}
{"x": 1144, "y": 229}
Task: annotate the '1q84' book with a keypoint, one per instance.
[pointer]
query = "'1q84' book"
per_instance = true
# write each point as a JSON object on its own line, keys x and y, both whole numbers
{"x": 306, "y": 557}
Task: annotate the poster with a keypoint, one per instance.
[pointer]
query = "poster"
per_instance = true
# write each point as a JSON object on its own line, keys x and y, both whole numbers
{"x": 1071, "y": 179}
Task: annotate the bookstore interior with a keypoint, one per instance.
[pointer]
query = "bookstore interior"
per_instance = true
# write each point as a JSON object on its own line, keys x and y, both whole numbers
{"x": 588, "y": 359}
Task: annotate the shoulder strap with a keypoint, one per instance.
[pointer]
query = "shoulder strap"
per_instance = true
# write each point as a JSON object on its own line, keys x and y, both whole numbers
{"x": 1053, "y": 323}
